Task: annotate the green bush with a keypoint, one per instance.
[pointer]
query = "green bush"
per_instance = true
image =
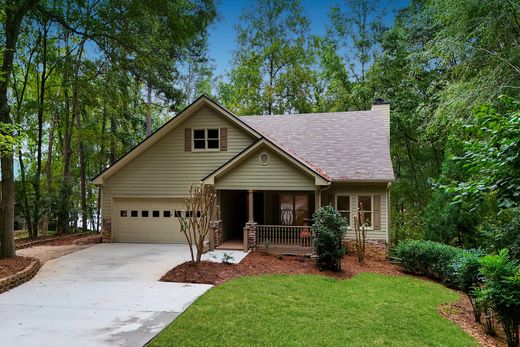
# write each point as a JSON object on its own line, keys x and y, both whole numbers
{"x": 329, "y": 228}
{"x": 466, "y": 270}
{"x": 428, "y": 258}
{"x": 501, "y": 291}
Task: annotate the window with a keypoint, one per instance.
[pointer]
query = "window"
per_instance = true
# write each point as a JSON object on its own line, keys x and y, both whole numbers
{"x": 133, "y": 213}
{"x": 144, "y": 213}
{"x": 294, "y": 209}
{"x": 155, "y": 214}
{"x": 343, "y": 206}
{"x": 123, "y": 213}
{"x": 177, "y": 214}
{"x": 167, "y": 213}
{"x": 206, "y": 139}
{"x": 365, "y": 203}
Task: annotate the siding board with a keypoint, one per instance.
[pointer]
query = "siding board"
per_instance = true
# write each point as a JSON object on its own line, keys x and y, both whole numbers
{"x": 355, "y": 189}
{"x": 278, "y": 174}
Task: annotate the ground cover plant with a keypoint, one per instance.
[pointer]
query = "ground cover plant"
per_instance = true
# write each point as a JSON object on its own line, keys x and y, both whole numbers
{"x": 313, "y": 310}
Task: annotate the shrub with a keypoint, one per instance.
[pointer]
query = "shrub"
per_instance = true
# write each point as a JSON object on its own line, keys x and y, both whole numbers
{"x": 501, "y": 291}
{"x": 466, "y": 267}
{"x": 329, "y": 228}
{"x": 428, "y": 258}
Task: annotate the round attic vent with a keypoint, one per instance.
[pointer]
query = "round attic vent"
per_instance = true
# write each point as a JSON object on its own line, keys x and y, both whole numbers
{"x": 264, "y": 158}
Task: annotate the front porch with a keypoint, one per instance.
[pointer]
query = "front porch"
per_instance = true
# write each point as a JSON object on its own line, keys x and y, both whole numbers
{"x": 274, "y": 221}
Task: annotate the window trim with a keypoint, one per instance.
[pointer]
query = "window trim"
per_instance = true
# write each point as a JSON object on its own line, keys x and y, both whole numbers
{"x": 205, "y": 149}
{"x": 349, "y": 205}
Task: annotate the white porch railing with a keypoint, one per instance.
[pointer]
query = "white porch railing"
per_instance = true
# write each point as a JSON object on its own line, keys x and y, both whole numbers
{"x": 283, "y": 235}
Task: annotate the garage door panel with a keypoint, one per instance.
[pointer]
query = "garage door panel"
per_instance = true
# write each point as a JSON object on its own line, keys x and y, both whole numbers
{"x": 151, "y": 229}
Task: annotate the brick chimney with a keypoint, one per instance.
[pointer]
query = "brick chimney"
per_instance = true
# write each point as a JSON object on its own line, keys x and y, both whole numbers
{"x": 384, "y": 107}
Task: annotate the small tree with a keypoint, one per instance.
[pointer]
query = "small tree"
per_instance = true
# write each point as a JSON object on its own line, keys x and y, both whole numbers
{"x": 360, "y": 229}
{"x": 501, "y": 292}
{"x": 329, "y": 229}
{"x": 196, "y": 220}
{"x": 466, "y": 267}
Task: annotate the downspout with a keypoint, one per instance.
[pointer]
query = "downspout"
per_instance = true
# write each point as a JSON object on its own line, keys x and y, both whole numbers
{"x": 388, "y": 213}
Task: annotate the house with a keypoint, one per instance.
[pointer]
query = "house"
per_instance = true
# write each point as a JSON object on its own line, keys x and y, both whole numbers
{"x": 270, "y": 173}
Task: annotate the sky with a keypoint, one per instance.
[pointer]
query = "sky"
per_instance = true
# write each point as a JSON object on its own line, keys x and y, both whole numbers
{"x": 222, "y": 33}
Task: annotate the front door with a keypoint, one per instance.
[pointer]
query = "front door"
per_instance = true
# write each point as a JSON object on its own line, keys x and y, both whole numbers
{"x": 294, "y": 209}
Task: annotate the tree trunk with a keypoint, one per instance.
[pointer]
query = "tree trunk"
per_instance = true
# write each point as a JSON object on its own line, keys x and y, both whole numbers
{"x": 113, "y": 134}
{"x": 12, "y": 20}
{"x": 83, "y": 186}
{"x": 41, "y": 100}
{"x": 48, "y": 174}
{"x": 149, "y": 110}
{"x": 25, "y": 200}
{"x": 100, "y": 168}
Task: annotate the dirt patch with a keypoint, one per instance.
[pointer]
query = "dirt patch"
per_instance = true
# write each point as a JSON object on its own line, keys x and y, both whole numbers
{"x": 46, "y": 253}
{"x": 10, "y": 267}
{"x": 257, "y": 263}
{"x": 57, "y": 240}
{"x": 461, "y": 313}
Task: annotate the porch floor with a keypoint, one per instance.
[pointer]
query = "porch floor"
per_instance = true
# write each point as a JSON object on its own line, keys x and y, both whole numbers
{"x": 232, "y": 245}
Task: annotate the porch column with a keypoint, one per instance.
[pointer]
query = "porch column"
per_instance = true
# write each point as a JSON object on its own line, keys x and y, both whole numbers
{"x": 251, "y": 218}
{"x": 317, "y": 199}
{"x": 250, "y": 227}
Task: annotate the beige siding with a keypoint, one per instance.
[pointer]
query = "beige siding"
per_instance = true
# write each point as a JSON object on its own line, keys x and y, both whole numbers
{"x": 165, "y": 169}
{"x": 354, "y": 190}
{"x": 278, "y": 174}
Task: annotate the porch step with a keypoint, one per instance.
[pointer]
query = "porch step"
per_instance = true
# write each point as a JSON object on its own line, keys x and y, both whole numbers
{"x": 232, "y": 245}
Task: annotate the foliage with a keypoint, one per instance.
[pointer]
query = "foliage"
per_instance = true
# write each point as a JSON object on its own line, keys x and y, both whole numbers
{"x": 502, "y": 232}
{"x": 501, "y": 291}
{"x": 271, "y": 69}
{"x": 491, "y": 157}
{"x": 450, "y": 223}
{"x": 303, "y": 310}
{"x": 428, "y": 258}
{"x": 329, "y": 228}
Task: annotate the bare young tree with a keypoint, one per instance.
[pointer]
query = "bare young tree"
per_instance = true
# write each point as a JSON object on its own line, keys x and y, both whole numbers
{"x": 360, "y": 229}
{"x": 196, "y": 220}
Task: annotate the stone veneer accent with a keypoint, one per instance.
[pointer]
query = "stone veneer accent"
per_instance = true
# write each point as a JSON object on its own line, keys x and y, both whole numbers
{"x": 216, "y": 234}
{"x": 106, "y": 230}
{"x": 374, "y": 249}
{"x": 20, "y": 277}
{"x": 250, "y": 234}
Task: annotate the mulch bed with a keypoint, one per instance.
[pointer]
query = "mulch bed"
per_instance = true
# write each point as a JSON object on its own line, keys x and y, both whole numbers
{"x": 258, "y": 263}
{"x": 461, "y": 313}
{"x": 10, "y": 267}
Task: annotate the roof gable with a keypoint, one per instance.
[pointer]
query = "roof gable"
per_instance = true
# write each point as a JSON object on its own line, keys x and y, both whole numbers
{"x": 246, "y": 154}
{"x": 166, "y": 128}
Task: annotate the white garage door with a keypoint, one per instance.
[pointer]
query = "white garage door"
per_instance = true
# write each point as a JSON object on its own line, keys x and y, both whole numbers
{"x": 147, "y": 220}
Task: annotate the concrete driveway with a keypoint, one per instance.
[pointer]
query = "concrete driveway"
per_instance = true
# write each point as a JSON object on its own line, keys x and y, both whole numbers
{"x": 105, "y": 295}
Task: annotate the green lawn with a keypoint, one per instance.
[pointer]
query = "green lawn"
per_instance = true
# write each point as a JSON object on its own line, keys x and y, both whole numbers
{"x": 309, "y": 310}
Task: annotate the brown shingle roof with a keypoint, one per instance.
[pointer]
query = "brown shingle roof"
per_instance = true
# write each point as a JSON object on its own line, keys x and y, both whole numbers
{"x": 342, "y": 145}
